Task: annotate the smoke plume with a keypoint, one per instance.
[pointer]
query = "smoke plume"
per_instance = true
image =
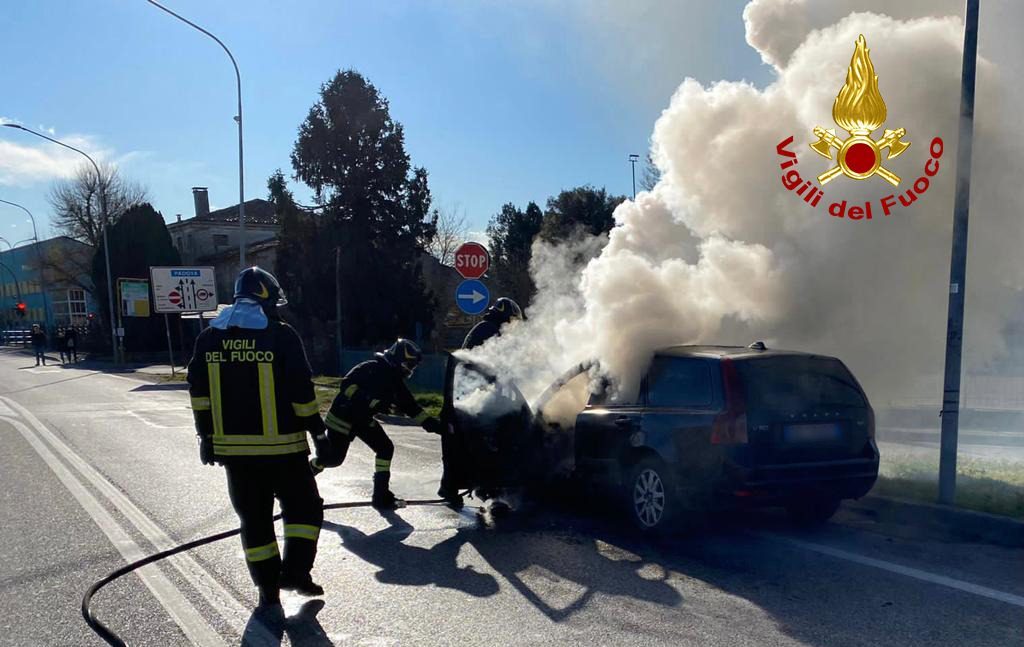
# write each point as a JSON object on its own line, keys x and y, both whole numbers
{"x": 721, "y": 252}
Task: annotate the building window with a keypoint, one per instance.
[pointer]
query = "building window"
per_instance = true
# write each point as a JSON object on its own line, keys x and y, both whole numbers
{"x": 179, "y": 243}
{"x": 220, "y": 240}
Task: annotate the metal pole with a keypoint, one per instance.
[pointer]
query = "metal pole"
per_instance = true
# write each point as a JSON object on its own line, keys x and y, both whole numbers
{"x": 632, "y": 163}
{"x": 238, "y": 119}
{"x": 958, "y": 264}
{"x": 170, "y": 349}
{"x": 106, "y": 247}
{"x": 39, "y": 257}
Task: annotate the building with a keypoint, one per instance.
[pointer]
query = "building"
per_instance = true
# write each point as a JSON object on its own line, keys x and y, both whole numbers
{"x": 225, "y": 264}
{"x": 66, "y": 266}
{"x": 209, "y": 233}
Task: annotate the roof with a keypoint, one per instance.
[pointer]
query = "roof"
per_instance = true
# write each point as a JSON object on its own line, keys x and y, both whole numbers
{"x": 731, "y": 352}
{"x": 257, "y": 212}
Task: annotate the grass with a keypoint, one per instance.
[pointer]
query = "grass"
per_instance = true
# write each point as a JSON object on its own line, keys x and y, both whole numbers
{"x": 987, "y": 485}
{"x": 327, "y": 388}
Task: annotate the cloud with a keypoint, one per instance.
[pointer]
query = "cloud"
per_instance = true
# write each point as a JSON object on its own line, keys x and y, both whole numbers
{"x": 27, "y": 160}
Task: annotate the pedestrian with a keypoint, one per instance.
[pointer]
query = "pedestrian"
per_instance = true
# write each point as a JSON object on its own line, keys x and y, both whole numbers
{"x": 253, "y": 401}
{"x": 502, "y": 311}
{"x": 371, "y": 388}
{"x": 62, "y": 343}
{"x": 39, "y": 343}
{"x": 72, "y": 341}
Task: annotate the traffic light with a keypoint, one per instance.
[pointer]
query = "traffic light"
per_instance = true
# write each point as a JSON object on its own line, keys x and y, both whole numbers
{"x": 20, "y": 308}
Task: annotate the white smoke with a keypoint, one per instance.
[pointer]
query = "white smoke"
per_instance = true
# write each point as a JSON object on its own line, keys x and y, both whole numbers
{"x": 721, "y": 252}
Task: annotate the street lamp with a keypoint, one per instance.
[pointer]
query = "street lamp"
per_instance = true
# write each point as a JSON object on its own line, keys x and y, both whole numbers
{"x": 633, "y": 158}
{"x": 238, "y": 120}
{"x": 103, "y": 213}
{"x": 39, "y": 256}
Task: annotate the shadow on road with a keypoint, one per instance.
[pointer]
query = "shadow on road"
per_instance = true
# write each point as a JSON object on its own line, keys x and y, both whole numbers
{"x": 170, "y": 386}
{"x": 267, "y": 627}
{"x": 558, "y": 572}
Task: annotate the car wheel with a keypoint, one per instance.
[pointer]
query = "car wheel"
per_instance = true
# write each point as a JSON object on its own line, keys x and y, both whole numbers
{"x": 812, "y": 511}
{"x": 650, "y": 496}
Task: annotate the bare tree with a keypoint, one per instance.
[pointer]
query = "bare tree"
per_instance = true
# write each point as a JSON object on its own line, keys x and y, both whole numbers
{"x": 76, "y": 202}
{"x": 651, "y": 174}
{"x": 452, "y": 231}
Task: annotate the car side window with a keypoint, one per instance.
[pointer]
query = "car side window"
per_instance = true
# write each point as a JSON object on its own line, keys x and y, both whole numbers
{"x": 679, "y": 382}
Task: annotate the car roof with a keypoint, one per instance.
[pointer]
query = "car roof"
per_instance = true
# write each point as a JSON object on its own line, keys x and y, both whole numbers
{"x": 730, "y": 352}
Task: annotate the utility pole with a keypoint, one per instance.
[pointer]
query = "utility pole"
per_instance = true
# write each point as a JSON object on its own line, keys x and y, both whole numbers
{"x": 958, "y": 264}
{"x": 632, "y": 162}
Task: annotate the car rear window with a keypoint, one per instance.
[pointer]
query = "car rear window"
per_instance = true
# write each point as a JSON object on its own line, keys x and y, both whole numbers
{"x": 679, "y": 382}
{"x": 795, "y": 382}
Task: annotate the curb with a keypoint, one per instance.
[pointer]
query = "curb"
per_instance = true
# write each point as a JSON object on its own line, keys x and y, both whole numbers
{"x": 957, "y": 523}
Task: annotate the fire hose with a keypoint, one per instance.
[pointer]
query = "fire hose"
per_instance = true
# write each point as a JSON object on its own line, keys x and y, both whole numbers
{"x": 108, "y": 634}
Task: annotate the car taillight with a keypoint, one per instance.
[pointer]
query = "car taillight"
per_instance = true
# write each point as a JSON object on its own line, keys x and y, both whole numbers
{"x": 730, "y": 426}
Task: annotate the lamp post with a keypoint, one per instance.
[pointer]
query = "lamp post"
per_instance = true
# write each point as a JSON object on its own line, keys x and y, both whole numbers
{"x": 103, "y": 213}
{"x": 633, "y": 158}
{"x": 238, "y": 120}
{"x": 39, "y": 256}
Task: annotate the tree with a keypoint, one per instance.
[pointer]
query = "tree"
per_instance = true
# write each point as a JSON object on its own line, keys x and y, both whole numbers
{"x": 583, "y": 210}
{"x": 651, "y": 174}
{"x": 375, "y": 209}
{"x": 452, "y": 231}
{"x": 77, "y": 208}
{"x": 138, "y": 241}
{"x": 511, "y": 232}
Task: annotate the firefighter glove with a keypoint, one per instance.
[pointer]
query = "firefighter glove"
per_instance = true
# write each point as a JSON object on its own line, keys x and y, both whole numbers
{"x": 206, "y": 450}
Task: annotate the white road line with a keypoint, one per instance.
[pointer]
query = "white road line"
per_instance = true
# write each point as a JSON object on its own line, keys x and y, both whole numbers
{"x": 219, "y": 598}
{"x": 192, "y": 624}
{"x": 899, "y": 569}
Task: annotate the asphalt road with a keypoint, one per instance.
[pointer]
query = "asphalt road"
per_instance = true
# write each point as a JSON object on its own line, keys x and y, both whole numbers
{"x": 101, "y": 468}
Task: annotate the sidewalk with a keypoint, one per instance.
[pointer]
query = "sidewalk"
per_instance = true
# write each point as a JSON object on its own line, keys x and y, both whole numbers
{"x": 156, "y": 372}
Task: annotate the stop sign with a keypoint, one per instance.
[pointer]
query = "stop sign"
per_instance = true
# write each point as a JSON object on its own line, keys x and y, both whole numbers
{"x": 471, "y": 260}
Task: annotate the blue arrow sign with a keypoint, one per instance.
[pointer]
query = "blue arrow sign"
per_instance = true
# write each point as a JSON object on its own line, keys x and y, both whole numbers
{"x": 472, "y": 297}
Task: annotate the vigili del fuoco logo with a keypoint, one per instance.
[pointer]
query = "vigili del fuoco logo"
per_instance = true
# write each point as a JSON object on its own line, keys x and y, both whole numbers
{"x": 859, "y": 110}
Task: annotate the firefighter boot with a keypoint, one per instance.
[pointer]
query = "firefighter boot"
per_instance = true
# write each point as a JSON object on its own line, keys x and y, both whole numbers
{"x": 302, "y": 584}
{"x": 383, "y": 497}
{"x": 451, "y": 497}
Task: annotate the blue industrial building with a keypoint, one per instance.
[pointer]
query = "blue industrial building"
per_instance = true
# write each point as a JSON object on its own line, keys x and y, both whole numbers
{"x": 52, "y": 278}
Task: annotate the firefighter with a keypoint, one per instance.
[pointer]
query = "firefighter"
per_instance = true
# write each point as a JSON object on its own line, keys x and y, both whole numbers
{"x": 253, "y": 402}
{"x": 502, "y": 311}
{"x": 370, "y": 388}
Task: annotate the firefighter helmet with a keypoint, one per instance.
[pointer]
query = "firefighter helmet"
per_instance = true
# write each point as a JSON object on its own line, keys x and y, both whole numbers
{"x": 403, "y": 355}
{"x": 258, "y": 284}
{"x": 504, "y": 310}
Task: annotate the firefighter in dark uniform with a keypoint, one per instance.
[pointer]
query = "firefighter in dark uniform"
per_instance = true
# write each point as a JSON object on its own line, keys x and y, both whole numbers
{"x": 370, "y": 388}
{"x": 253, "y": 402}
{"x": 502, "y": 311}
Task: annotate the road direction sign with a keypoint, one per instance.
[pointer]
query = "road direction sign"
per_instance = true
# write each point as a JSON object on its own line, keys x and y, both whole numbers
{"x": 183, "y": 289}
{"x": 472, "y": 297}
{"x": 472, "y": 260}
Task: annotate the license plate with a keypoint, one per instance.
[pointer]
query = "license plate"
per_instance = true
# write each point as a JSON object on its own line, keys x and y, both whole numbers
{"x": 811, "y": 433}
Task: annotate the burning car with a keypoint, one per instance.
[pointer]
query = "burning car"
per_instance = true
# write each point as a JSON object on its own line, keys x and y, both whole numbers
{"x": 711, "y": 427}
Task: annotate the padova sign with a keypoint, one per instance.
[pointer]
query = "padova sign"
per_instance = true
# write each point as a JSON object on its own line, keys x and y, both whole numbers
{"x": 183, "y": 289}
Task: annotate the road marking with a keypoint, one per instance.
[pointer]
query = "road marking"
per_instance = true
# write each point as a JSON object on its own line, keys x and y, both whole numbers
{"x": 899, "y": 569}
{"x": 192, "y": 624}
{"x": 222, "y": 601}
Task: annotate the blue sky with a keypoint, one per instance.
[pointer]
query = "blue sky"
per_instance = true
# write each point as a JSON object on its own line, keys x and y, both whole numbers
{"x": 500, "y": 101}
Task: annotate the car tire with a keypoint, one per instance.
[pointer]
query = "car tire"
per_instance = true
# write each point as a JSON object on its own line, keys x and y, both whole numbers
{"x": 812, "y": 511}
{"x": 650, "y": 497}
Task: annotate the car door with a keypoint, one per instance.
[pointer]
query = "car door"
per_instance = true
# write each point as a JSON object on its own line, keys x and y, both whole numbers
{"x": 682, "y": 399}
{"x": 605, "y": 431}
